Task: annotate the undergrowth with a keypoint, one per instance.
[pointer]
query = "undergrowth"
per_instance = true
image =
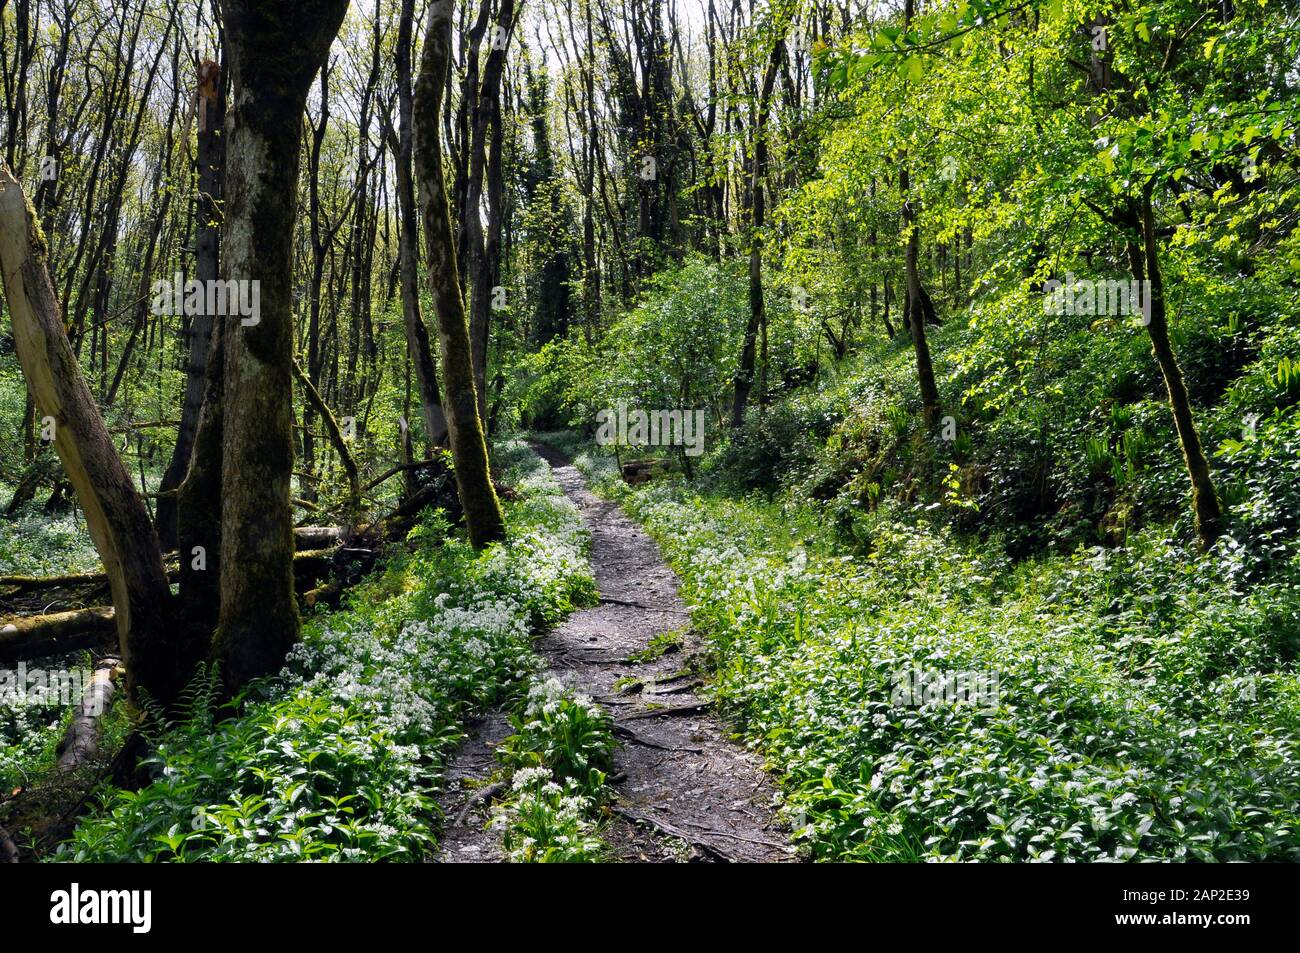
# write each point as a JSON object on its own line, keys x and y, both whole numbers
{"x": 339, "y": 757}
{"x": 1146, "y": 703}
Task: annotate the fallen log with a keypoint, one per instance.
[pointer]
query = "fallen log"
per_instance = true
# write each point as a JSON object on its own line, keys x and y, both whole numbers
{"x": 24, "y": 583}
{"x": 317, "y": 537}
{"x": 36, "y": 636}
{"x": 29, "y": 637}
{"x": 46, "y": 813}
{"x": 80, "y": 742}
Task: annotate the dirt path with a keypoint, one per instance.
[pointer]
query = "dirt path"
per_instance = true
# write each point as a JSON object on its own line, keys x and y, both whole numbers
{"x": 684, "y": 791}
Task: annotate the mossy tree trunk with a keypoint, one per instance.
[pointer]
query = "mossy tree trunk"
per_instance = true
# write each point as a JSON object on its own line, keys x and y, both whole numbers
{"x": 484, "y": 246}
{"x": 919, "y": 309}
{"x": 276, "y": 48}
{"x": 210, "y": 109}
{"x": 417, "y": 333}
{"x": 198, "y": 527}
{"x": 468, "y": 448}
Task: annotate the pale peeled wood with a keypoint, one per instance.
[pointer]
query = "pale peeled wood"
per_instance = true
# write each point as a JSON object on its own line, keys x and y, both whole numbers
{"x": 81, "y": 740}
{"x": 116, "y": 516}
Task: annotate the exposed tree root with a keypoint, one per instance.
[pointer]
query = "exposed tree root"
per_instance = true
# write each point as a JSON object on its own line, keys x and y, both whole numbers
{"x": 627, "y": 734}
{"x": 704, "y": 847}
{"x": 681, "y": 710}
{"x": 481, "y": 796}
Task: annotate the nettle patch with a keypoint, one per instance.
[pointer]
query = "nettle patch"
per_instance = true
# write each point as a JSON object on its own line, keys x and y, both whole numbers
{"x": 337, "y": 759}
{"x": 1125, "y": 720}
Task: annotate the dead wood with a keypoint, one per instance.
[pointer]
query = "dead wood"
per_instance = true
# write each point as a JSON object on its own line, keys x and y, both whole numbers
{"x": 28, "y": 637}
{"x": 80, "y": 742}
{"x": 481, "y": 796}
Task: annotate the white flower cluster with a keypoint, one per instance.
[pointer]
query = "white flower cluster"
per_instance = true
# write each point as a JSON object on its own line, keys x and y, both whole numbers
{"x": 545, "y": 821}
{"x": 546, "y": 696}
{"x": 477, "y": 638}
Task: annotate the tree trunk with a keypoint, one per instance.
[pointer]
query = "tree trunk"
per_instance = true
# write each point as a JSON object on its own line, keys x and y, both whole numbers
{"x": 417, "y": 334}
{"x": 1205, "y": 499}
{"x": 276, "y": 47}
{"x": 483, "y": 248}
{"x": 744, "y": 382}
{"x": 211, "y": 149}
{"x": 468, "y": 447}
{"x": 919, "y": 310}
{"x": 116, "y": 516}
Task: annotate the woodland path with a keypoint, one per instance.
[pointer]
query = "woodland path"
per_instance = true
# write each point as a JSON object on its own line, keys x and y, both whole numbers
{"x": 684, "y": 791}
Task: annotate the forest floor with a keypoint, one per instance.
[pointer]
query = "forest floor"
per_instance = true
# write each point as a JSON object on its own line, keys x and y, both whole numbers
{"x": 685, "y": 791}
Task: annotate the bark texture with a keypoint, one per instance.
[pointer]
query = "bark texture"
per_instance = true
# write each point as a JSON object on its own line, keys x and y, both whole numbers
{"x": 483, "y": 515}
{"x": 744, "y": 382}
{"x": 417, "y": 333}
{"x": 36, "y": 636}
{"x": 275, "y": 49}
{"x": 1205, "y": 499}
{"x": 210, "y": 107}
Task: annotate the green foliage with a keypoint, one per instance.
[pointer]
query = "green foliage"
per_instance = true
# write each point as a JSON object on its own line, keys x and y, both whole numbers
{"x": 1146, "y": 702}
{"x": 338, "y": 757}
{"x": 545, "y": 823}
{"x": 560, "y": 754}
{"x": 675, "y": 349}
{"x": 568, "y": 735}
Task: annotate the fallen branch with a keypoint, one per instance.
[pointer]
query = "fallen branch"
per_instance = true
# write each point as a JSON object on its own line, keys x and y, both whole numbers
{"x": 335, "y": 435}
{"x": 393, "y": 471}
